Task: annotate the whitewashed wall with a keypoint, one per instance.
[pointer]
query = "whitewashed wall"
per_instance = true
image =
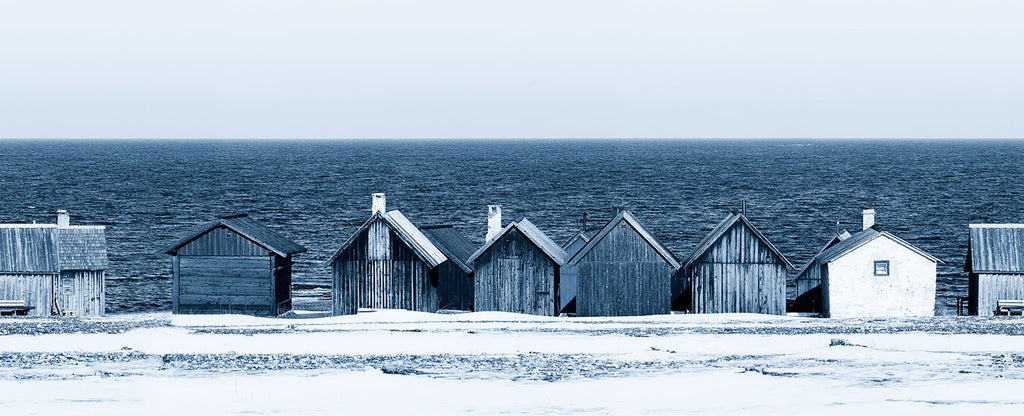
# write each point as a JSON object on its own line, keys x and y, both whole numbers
{"x": 854, "y": 290}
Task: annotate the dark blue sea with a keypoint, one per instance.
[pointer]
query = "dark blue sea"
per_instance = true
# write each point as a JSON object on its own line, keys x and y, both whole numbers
{"x": 318, "y": 192}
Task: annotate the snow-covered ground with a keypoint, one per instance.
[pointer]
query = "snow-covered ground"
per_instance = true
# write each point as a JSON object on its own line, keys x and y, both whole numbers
{"x": 397, "y": 362}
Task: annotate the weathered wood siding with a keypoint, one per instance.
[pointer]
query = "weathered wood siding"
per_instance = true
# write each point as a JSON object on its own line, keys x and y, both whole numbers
{"x": 28, "y": 249}
{"x": 455, "y": 287}
{"x": 807, "y": 288}
{"x": 992, "y": 288}
{"x": 382, "y": 272}
{"x": 513, "y": 275}
{"x": 81, "y": 293}
{"x": 738, "y": 274}
{"x": 35, "y": 289}
{"x": 222, "y": 241}
{"x": 224, "y": 284}
{"x": 623, "y": 276}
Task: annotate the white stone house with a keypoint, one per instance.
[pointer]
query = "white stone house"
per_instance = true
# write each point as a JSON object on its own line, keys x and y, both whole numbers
{"x": 873, "y": 273}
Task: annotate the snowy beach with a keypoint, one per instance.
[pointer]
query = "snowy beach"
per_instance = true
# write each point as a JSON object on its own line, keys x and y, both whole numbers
{"x": 489, "y": 363}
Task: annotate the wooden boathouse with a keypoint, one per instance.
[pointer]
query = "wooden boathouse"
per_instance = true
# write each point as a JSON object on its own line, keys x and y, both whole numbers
{"x": 388, "y": 263}
{"x": 517, "y": 269}
{"x": 621, "y": 271}
{"x": 733, "y": 269}
{"x": 807, "y": 284}
{"x": 232, "y": 265}
{"x": 995, "y": 266}
{"x": 455, "y": 276}
{"x": 53, "y": 269}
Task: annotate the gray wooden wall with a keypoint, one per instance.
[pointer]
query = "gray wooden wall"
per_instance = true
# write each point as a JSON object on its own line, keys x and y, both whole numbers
{"x": 738, "y": 274}
{"x": 382, "y": 273}
{"x": 992, "y": 288}
{"x": 623, "y": 276}
{"x": 513, "y": 275}
{"x": 224, "y": 284}
{"x": 81, "y": 293}
{"x": 224, "y": 272}
{"x": 222, "y": 241}
{"x": 35, "y": 289}
{"x": 455, "y": 287}
{"x": 807, "y": 288}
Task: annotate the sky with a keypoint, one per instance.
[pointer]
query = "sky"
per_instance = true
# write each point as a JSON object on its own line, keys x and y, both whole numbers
{"x": 512, "y": 69}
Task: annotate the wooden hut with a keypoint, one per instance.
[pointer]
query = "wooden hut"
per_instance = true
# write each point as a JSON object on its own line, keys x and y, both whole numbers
{"x": 995, "y": 266}
{"x": 622, "y": 271}
{"x": 807, "y": 285}
{"x": 388, "y": 263}
{"x": 53, "y": 269}
{"x": 734, "y": 269}
{"x": 232, "y": 265}
{"x": 517, "y": 269}
{"x": 455, "y": 276}
{"x": 567, "y": 282}
{"x": 872, "y": 273}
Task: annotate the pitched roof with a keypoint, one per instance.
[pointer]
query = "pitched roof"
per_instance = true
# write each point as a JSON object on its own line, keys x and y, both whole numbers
{"x": 709, "y": 240}
{"x": 81, "y": 248}
{"x": 248, "y": 228}
{"x": 835, "y": 240}
{"x": 995, "y": 248}
{"x": 405, "y": 230}
{"x": 863, "y": 237}
{"x": 46, "y": 248}
{"x": 534, "y": 235}
{"x": 628, "y": 218}
{"x": 579, "y": 236}
{"x": 28, "y": 249}
{"x": 452, "y": 243}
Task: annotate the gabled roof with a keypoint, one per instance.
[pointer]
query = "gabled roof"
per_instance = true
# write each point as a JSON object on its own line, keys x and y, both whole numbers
{"x": 709, "y": 240}
{"x": 81, "y": 248}
{"x": 995, "y": 248}
{"x": 628, "y": 218}
{"x": 405, "y": 230}
{"x": 46, "y": 248}
{"x": 835, "y": 240}
{"x": 863, "y": 237}
{"x": 452, "y": 243}
{"x": 248, "y": 228}
{"x": 579, "y": 236}
{"x": 28, "y": 249}
{"x": 534, "y": 235}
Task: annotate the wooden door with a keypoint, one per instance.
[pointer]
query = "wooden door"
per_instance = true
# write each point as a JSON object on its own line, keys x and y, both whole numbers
{"x": 65, "y": 295}
{"x": 510, "y": 284}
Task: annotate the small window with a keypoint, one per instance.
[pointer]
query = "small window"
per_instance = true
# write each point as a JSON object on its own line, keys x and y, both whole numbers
{"x": 881, "y": 267}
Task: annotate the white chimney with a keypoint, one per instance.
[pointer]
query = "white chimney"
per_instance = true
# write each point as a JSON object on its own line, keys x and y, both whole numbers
{"x": 380, "y": 204}
{"x": 493, "y": 221}
{"x": 63, "y": 219}
{"x": 869, "y": 218}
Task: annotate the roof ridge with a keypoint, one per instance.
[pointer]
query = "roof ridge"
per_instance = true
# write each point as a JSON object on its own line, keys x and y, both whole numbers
{"x": 637, "y": 226}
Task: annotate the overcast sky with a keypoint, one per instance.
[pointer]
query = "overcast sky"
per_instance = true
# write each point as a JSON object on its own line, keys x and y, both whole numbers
{"x": 477, "y": 68}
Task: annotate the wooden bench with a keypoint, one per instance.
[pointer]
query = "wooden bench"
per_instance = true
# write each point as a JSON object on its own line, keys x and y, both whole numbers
{"x": 14, "y": 307}
{"x": 1009, "y": 307}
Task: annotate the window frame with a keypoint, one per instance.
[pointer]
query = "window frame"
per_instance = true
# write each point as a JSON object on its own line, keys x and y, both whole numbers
{"x": 888, "y": 268}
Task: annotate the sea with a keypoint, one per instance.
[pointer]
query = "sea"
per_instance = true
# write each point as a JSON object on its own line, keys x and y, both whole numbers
{"x": 797, "y": 192}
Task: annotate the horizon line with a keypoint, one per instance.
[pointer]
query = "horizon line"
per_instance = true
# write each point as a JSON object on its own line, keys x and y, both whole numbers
{"x": 507, "y": 138}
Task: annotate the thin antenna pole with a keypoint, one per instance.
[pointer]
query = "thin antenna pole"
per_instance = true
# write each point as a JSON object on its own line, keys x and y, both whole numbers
{"x": 743, "y": 208}
{"x": 584, "y": 222}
